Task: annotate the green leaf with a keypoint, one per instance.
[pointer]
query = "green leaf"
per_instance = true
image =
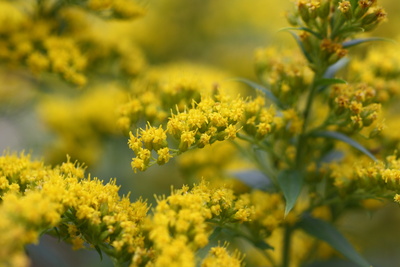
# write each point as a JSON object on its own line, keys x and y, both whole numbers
{"x": 253, "y": 178}
{"x": 291, "y": 182}
{"x": 303, "y": 49}
{"x": 97, "y": 248}
{"x": 334, "y": 68}
{"x": 329, "y": 81}
{"x": 265, "y": 90}
{"x": 261, "y": 244}
{"x": 364, "y": 40}
{"x": 319, "y": 36}
{"x": 350, "y": 30}
{"x": 217, "y": 231}
{"x": 328, "y": 233}
{"x": 344, "y": 138}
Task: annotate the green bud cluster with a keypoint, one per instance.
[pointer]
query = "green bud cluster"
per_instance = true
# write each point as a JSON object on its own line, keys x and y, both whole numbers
{"x": 327, "y": 24}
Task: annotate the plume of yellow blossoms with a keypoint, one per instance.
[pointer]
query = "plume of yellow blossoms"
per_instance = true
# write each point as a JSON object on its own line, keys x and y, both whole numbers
{"x": 172, "y": 86}
{"x": 364, "y": 179}
{"x": 53, "y": 36}
{"x": 214, "y": 118}
{"x": 36, "y": 198}
{"x": 219, "y": 256}
{"x": 382, "y": 73}
{"x": 62, "y": 201}
{"x": 182, "y": 223}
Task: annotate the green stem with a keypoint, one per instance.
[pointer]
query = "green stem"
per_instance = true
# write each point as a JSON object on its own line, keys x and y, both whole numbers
{"x": 302, "y": 137}
{"x": 286, "y": 246}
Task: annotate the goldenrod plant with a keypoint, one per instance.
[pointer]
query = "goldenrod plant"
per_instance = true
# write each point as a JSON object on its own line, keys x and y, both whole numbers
{"x": 269, "y": 167}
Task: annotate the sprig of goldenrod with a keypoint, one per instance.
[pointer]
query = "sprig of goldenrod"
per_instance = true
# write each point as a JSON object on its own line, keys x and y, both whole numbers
{"x": 180, "y": 224}
{"x": 214, "y": 118}
{"x": 327, "y": 24}
{"x": 81, "y": 209}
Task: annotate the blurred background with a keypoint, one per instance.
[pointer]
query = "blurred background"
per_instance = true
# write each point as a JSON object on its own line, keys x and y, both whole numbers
{"x": 52, "y": 111}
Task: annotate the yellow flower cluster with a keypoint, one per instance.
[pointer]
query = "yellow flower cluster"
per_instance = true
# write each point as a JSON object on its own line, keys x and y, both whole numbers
{"x": 37, "y": 198}
{"x": 364, "y": 12}
{"x": 383, "y": 71}
{"x": 30, "y": 41}
{"x": 355, "y": 107}
{"x": 54, "y": 37}
{"x": 284, "y": 72}
{"x": 166, "y": 87}
{"x": 181, "y": 225}
{"x": 269, "y": 212}
{"x": 214, "y": 118}
{"x": 219, "y": 256}
{"x": 366, "y": 179}
{"x": 327, "y": 24}
{"x": 260, "y": 121}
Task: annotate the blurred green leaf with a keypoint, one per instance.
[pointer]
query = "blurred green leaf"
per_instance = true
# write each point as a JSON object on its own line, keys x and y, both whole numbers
{"x": 364, "y": 40}
{"x": 217, "y": 231}
{"x": 291, "y": 182}
{"x": 334, "y": 68}
{"x": 300, "y": 44}
{"x": 261, "y": 244}
{"x": 97, "y": 248}
{"x": 344, "y": 138}
{"x": 328, "y": 233}
{"x": 319, "y": 36}
{"x": 329, "y": 81}
{"x": 253, "y": 178}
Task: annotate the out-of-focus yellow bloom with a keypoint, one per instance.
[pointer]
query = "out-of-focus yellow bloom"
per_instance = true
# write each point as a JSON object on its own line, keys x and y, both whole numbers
{"x": 219, "y": 256}
{"x": 80, "y": 123}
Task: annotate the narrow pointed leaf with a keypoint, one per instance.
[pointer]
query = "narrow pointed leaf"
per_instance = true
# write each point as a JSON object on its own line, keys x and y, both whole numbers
{"x": 265, "y": 90}
{"x": 97, "y": 248}
{"x": 319, "y": 36}
{"x": 344, "y": 138}
{"x": 253, "y": 178}
{"x": 303, "y": 49}
{"x": 364, "y": 40}
{"x": 329, "y": 81}
{"x": 328, "y": 233}
{"x": 291, "y": 182}
{"x": 334, "y": 68}
{"x": 261, "y": 244}
{"x": 324, "y": 83}
{"x": 215, "y": 234}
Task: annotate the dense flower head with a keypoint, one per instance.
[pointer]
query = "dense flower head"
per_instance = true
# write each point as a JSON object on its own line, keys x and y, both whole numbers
{"x": 286, "y": 73}
{"x": 365, "y": 179}
{"x": 355, "y": 107}
{"x": 328, "y": 24}
{"x": 214, "y": 118}
{"x": 36, "y": 198}
{"x": 54, "y": 38}
{"x": 180, "y": 224}
{"x": 219, "y": 256}
{"x": 379, "y": 68}
{"x": 166, "y": 87}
